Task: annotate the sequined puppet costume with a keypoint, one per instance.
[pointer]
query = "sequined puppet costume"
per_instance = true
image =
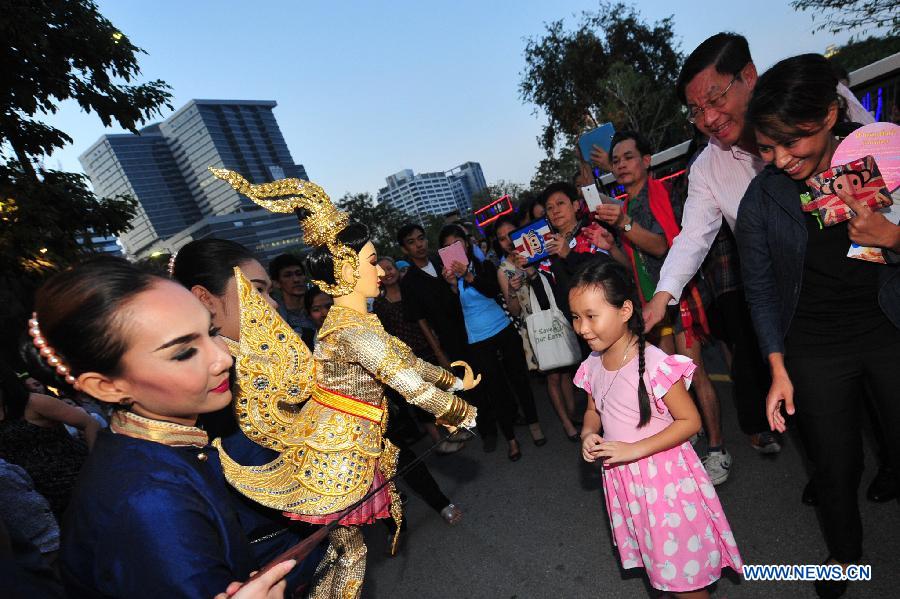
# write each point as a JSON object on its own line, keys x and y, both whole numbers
{"x": 332, "y": 450}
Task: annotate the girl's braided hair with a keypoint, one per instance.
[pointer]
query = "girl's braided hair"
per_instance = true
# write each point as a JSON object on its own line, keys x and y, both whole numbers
{"x": 618, "y": 287}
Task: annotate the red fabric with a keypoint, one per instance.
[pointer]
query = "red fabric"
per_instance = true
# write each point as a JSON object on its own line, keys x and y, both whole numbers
{"x": 375, "y": 508}
{"x": 661, "y": 208}
{"x": 583, "y": 243}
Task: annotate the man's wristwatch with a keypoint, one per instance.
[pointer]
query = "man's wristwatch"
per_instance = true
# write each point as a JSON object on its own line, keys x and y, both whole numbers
{"x": 627, "y": 227}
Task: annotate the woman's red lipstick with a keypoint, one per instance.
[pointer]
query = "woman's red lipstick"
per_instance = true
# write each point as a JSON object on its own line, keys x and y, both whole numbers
{"x": 223, "y": 387}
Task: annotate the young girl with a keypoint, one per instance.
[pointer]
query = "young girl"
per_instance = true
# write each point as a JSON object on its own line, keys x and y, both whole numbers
{"x": 663, "y": 509}
{"x": 824, "y": 321}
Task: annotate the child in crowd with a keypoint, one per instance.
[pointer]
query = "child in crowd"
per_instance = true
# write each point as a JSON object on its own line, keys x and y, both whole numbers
{"x": 663, "y": 509}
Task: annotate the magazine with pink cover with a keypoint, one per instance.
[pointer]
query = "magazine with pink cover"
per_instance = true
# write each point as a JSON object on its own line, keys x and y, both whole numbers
{"x": 455, "y": 252}
{"x": 863, "y": 179}
{"x": 878, "y": 140}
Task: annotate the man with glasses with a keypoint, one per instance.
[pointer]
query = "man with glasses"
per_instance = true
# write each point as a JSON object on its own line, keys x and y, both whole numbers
{"x": 715, "y": 85}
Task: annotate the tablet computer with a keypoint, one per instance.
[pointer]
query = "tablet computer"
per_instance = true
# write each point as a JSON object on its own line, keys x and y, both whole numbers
{"x": 601, "y": 136}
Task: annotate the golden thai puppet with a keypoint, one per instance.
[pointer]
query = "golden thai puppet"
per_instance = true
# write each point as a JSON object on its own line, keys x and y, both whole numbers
{"x": 326, "y": 413}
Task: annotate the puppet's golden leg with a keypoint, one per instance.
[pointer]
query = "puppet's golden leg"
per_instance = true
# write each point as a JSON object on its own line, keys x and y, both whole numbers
{"x": 341, "y": 572}
{"x": 387, "y": 463}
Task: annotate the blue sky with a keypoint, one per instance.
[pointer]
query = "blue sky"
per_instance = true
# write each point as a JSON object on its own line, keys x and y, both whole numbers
{"x": 365, "y": 89}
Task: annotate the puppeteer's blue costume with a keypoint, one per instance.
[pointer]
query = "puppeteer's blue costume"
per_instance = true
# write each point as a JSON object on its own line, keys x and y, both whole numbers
{"x": 152, "y": 516}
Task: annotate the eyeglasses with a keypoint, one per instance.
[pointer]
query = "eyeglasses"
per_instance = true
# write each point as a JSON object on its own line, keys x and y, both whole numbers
{"x": 716, "y": 103}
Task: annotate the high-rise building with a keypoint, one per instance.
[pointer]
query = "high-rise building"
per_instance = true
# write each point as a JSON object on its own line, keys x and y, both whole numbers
{"x": 467, "y": 179}
{"x": 437, "y": 193}
{"x": 103, "y": 244}
{"x": 165, "y": 169}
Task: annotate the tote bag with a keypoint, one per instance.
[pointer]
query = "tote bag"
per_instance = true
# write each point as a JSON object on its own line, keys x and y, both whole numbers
{"x": 552, "y": 338}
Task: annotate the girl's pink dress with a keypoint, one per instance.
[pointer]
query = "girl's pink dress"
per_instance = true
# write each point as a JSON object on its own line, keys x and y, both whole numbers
{"x": 663, "y": 511}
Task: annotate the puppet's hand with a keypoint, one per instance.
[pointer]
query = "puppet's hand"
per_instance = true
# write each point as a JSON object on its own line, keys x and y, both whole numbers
{"x": 458, "y": 414}
{"x": 469, "y": 380}
{"x": 471, "y": 413}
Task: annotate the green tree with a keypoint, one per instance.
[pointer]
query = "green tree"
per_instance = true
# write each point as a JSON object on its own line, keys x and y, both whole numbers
{"x": 860, "y": 53}
{"x": 561, "y": 166}
{"x": 839, "y": 15}
{"x": 382, "y": 220}
{"x": 613, "y": 66}
{"x": 57, "y": 51}
{"x": 433, "y": 224}
{"x": 34, "y": 240}
{"x": 53, "y": 51}
{"x": 496, "y": 191}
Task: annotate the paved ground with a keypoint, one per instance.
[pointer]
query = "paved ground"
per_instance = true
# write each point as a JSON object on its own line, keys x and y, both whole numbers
{"x": 537, "y": 528}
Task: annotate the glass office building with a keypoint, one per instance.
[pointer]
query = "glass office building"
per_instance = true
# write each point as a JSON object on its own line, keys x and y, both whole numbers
{"x": 165, "y": 168}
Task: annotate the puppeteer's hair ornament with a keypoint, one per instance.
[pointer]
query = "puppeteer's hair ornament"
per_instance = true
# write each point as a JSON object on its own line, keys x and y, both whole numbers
{"x": 320, "y": 228}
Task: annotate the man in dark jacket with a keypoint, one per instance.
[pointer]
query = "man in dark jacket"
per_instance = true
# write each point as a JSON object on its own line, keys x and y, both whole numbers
{"x": 428, "y": 300}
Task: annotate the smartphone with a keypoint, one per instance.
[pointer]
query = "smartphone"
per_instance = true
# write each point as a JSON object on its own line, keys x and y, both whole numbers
{"x": 591, "y": 196}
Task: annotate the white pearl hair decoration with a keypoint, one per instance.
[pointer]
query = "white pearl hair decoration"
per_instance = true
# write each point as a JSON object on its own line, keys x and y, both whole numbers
{"x": 47, "y": 352}
{"x": 170, "y": 269}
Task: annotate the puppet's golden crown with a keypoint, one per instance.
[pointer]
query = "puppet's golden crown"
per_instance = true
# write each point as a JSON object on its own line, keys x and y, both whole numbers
{"x": 320, "y": 227}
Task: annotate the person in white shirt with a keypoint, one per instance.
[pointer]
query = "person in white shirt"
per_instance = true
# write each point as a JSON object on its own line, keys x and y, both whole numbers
{"x": 715, "y": 84}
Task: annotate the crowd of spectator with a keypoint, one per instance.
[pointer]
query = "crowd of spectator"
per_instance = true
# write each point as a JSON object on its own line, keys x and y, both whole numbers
{"x": 722, "y": 259}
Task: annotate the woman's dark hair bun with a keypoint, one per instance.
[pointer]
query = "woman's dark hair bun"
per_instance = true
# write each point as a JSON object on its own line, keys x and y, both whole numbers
{"x": 210, "y": 263}
{"x": 79, "y": 313}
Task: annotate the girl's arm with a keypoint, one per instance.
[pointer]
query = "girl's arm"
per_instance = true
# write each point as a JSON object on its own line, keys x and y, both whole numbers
{"x": 590, "y": 432}
{"x": 687, "y": 422}
{"x": 49, "y": 408}
{"x": 781, "y": 393}
{"x": 760, "y": 287}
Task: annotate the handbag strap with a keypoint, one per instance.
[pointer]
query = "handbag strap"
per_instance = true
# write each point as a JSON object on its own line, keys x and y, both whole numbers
{"x": 548, "y": 291}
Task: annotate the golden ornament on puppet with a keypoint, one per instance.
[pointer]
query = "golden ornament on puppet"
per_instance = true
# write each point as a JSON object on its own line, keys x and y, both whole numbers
{"x": 332, "y": 451}
{"x": 320, "y": 228}
{"x": 330, "y": 448}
